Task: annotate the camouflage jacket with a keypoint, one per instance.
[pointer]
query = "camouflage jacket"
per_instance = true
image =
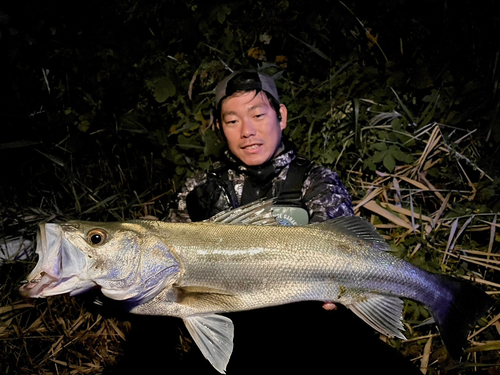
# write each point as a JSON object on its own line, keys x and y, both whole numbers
{"x": 211, "y": 192}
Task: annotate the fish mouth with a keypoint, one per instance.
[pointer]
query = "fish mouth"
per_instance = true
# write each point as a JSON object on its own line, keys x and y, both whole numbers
{"x": 59, "y": 265}
{"x": 34, "y": 287}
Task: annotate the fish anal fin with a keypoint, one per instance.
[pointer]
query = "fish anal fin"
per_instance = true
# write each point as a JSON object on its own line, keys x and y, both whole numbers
{"x": 383, "y": 313}
{"x": 214, "y": 336}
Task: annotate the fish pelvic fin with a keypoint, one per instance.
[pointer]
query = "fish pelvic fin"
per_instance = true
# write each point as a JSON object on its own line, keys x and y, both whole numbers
{"x": 356, "y": 227}
{"x": 383, "y": 313}
{"x": 457, "y": 311}
{"x": 214, "y": 336}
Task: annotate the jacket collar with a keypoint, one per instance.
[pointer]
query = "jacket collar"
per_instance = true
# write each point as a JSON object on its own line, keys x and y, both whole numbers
{"x": 272, "y": 167}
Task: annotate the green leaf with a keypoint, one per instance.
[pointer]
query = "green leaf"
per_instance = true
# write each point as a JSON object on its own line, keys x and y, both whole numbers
{"x": 189, "y": 142}
{"x": 408, "y": 158}
{"x": 180, "y": 170}
{"x": 312, "y": 48}
{"x": 84, "y": 126}
{"x": 379, "y": 156}
{"x": 398, "y": 154}
{"x": 396, "y": 124}
{"x": 368, "y": 163}
{"x": 389, "y": 162}
{"x": 380, "y": 146}
{"x": 222, "y": 12}
{"x": 213, "y": 145}
{"x": 330, "y": 156}
{"x": 405, "y": 109}
{"x": 429, "y": 111}
{"x": 163, "y": 89}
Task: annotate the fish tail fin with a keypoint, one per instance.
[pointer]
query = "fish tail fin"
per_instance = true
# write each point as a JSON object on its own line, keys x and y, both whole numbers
{"x": 456, "y": 311}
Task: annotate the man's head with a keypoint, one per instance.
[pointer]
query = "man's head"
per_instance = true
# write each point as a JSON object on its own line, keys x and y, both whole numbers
{"x": 250, "y": 115}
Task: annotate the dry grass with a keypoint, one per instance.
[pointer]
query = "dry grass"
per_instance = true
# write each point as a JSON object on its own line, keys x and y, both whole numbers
{"x": 61, "y": 336}
{"x": 54, "y": 336}
{"x": 406, "y": 205}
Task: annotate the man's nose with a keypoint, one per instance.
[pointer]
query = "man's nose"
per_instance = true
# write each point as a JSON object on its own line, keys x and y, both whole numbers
{"x": 247, "y": 128}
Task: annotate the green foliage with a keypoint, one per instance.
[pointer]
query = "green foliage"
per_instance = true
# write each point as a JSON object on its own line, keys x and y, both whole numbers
{"x": 144, "y": 74}
{"x": 107, "y": 107}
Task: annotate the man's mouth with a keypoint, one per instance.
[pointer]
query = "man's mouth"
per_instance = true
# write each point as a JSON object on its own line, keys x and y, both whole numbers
{"x": 251, "y": 147}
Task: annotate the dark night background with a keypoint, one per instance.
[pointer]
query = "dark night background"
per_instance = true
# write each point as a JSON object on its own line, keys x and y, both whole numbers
{"x": 106, "y": 108}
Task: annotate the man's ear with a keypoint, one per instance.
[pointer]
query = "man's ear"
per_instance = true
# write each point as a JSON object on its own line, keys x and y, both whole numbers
{"x": 284, "y": 116}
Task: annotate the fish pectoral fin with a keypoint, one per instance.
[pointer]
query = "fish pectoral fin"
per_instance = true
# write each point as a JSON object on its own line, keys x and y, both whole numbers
{"x": 202, "y": 298}
{"x": 214, "y": 336}
{"x": 383, "y": 313}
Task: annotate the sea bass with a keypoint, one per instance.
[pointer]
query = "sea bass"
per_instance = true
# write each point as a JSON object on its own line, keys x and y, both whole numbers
{"x": 242, "y": 260}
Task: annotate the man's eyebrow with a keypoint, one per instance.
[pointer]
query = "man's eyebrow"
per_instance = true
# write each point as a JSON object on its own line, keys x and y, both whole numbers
{"x": 256, "y": 106}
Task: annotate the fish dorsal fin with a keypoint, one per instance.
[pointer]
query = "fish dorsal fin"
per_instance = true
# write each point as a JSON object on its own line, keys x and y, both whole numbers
{"x": 356, "y": 227}
{"x": 255, "y": 213}
{"x": 214, "y": 336}
{"x": 383, "y": 313}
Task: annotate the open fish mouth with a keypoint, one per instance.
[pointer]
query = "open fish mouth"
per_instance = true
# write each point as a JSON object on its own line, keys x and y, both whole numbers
{"x": 59, "y": 266}
{"x": 36, "y": 286}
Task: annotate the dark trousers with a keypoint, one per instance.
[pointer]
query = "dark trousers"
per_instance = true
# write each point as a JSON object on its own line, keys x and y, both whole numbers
{"x": 296, "y": 338}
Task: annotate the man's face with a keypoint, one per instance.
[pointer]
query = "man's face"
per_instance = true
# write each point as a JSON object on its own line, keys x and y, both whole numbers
{"x": 251, "y": 127}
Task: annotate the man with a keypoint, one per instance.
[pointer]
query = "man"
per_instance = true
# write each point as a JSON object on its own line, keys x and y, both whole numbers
{"x": 259, "y": 162}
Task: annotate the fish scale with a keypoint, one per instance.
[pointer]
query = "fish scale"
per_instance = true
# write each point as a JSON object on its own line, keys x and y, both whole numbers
{"x": 195, "y": 271}
{"x": 232, "y": 266}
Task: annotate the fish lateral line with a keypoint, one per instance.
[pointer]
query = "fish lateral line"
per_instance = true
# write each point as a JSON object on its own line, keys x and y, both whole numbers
{"x": 364, "y": 277}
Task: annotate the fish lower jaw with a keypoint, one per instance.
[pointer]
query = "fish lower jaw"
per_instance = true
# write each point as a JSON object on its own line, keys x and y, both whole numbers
{"x": 34, "y": 288}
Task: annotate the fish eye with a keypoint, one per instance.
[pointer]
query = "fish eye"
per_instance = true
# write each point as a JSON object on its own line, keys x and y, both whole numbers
{"x": 97, "y": 237}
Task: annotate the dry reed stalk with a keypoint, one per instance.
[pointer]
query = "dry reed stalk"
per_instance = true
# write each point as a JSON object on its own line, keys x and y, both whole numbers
{"x": 399, "y": 216}
{"x": 62, "y": 336}
{"x": 424, "y": 363}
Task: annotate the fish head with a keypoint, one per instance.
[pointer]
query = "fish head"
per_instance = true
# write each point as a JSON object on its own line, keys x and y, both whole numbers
{"x": 124, "y": 259}
{"x": 59, "y": 265}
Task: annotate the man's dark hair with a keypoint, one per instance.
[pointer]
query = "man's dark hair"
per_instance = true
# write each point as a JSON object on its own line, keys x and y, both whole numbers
{"x": 246, "y": 81}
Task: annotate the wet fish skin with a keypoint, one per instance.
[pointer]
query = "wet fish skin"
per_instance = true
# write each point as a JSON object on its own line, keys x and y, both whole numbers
{"x": 195, "y": 271}
{"x": 131, "y": 265}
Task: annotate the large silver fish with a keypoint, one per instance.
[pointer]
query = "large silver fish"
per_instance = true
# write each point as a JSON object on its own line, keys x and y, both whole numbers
{"x": 240, "y": 261}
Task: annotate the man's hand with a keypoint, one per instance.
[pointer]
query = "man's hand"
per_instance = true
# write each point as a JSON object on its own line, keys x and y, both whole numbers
{"x": 329, "y": 306}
